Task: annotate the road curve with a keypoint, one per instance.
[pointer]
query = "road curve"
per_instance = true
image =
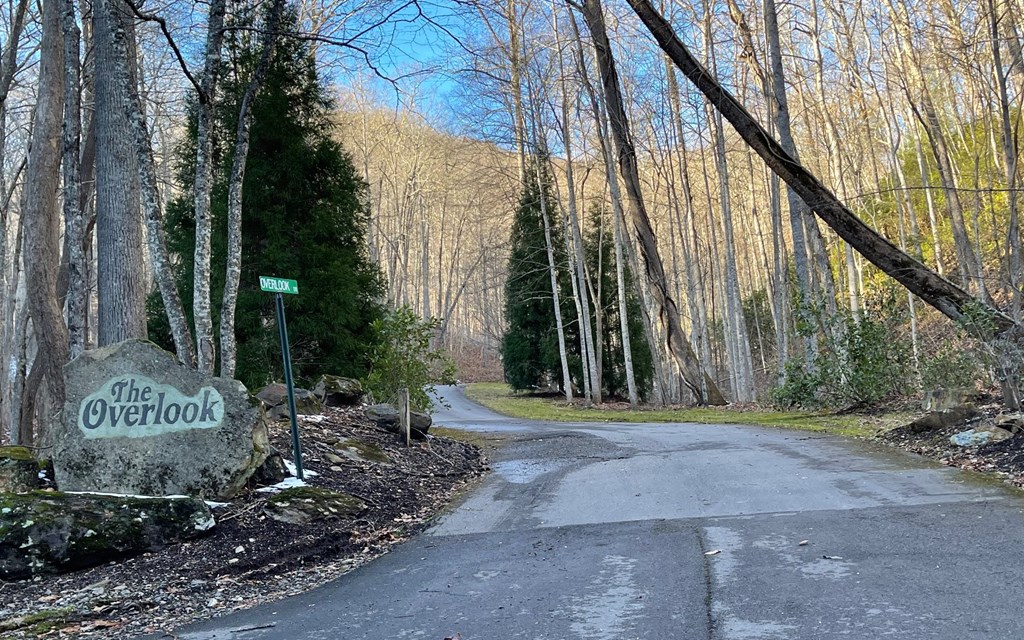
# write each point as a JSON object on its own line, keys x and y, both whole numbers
{"x": 679, "y": 532}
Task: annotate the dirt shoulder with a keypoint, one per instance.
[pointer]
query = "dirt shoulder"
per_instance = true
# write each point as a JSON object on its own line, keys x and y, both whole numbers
{"x": 1003, "y": 459}
{"x": 249, "y": 558}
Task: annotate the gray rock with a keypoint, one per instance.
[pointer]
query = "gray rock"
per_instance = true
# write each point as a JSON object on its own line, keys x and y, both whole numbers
{"x": 946, "y": 399}
{"x": 303, "y": 505}
{"x": 336, "y": 391}
{"x": 420, "y": 423}
{"x": 980, "y": 435}
{"x": 386, "y": 417}
{"x": 382, "y": 415}
{"x": 49, "y": 532}
{"x": 1012, "y": 422}
{"x": 19, "y": 470}
{"x": 942, "y": 419}
{"x": 272, "y": 470}
{"x": 274, "y": 398}
{"x": 137, "y": 422}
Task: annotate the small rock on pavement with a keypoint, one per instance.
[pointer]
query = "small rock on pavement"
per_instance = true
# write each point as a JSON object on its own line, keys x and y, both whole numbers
{"x": 49, "y": 532}
{"x": 979, "y": 436}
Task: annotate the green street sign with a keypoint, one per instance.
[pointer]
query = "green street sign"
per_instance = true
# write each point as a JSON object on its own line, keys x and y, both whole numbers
{"x": 278, "y": 285}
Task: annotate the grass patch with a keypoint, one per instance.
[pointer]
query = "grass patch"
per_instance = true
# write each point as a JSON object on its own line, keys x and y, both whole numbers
{"x": 498, "y": 397}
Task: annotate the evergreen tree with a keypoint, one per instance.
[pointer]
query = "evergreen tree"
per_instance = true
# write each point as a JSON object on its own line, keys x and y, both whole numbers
{"x": 599, "y": 253}
{"x": 306, "y": 215}
{"x": 529, "y": 348}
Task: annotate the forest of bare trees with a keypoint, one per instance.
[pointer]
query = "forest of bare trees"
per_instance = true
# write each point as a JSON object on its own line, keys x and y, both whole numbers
{"x": 794, "y": 184}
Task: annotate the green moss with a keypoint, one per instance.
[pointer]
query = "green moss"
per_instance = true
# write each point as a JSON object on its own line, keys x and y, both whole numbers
{"x": 365, "y": 450}
{"x": 323, "y": 500}
{"x": 39, "y": 622}
{"x": 22, "y": 454}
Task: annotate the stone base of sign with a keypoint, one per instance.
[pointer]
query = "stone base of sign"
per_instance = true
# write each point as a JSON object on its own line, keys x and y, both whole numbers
{"x": 138, "y": 422}
{"x": 49, "y": 532}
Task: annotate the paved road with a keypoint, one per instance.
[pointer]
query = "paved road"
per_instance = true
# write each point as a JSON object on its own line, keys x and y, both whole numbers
{"x": 680, "y": 532}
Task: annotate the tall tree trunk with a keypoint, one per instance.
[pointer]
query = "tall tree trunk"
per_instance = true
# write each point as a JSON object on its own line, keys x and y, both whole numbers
{"x": 799, "y": 212}
{"x": 206, "y": 355}
{"x": 835, "y": 158}
{"x": 121, "y": 292}
{"x": 736, "y": 339}
{"x": 620, "y": 236}
{"x": 593, "y": 341}
{"x": 620, "y": 282}
{"x": 938, "y": 292}
{"x": 42, "y": 220}
{"x": 563, "y": 356}
{"x": 9, "y": 268}
{"x": 233, "y": 269}
{"x": 699, "y": 335}
{"x": 1011, "y": 156}
{"x": 74, "y": 225}
{"x": 701, "y": 386}
{"x": 121, "y": 85}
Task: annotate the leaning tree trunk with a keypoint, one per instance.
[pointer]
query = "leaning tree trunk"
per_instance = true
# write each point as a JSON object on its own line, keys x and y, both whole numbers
{"x": 233, "y": 270}
{"x": 696, "y": 380}
{"x": 42, "y": 221}
{"x": 932, "y": 288}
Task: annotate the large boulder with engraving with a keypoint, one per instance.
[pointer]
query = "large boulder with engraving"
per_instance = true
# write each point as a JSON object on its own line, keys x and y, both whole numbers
{"x": 138, "y": 422}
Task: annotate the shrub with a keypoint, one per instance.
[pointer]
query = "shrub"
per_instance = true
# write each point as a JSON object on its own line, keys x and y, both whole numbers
{"x": 862, "y": 361}
{"x": 403, "y": 358}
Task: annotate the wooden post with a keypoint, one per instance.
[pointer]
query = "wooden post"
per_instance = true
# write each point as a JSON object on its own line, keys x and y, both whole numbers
{"x": 404, "y": 417}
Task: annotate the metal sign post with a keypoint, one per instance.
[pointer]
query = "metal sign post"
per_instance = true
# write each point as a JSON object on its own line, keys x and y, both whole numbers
{"x": 278, "y": 286}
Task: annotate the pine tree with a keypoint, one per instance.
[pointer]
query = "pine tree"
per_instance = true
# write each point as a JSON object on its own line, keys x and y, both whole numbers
{"x": 529, "y": 347}
{"x": 306, "y": 215}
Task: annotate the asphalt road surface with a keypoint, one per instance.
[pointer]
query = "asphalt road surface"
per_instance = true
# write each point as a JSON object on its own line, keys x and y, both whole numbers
{"x": 615, "y": 532}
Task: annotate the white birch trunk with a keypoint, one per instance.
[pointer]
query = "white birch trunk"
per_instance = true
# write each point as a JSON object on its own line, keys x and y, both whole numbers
{"x": 74, "y": 224}
{"x": 228, "y": 343}
{"x": 202, "y": 187}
